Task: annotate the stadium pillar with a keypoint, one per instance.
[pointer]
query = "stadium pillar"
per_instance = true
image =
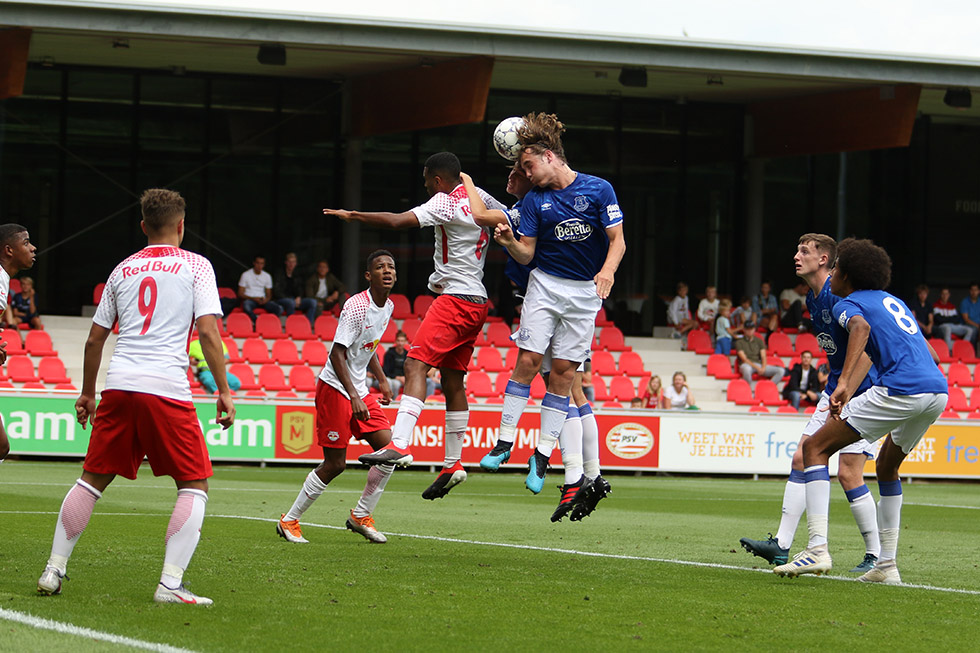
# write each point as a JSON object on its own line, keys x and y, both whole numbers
{"x": 755, "y": 198}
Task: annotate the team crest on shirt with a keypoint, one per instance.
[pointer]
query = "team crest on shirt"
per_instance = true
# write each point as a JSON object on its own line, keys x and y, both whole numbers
{"x": 843, "y": 320}
{"x": 524, "y": 334}
{"x": 370, "y": 345}
{"x": 827, "y": 317}
{"x": 581, "y": 204}
{"x": 333, "y": 436}
{"x": 827, "y": 343}
{"x": 573, "y": 230}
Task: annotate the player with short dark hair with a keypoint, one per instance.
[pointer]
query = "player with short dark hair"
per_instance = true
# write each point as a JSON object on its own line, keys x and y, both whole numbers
{"x": 345, "y": 407}
{"x": 448, "y": 332}
{"x": 16, "y": 254}
{"x": 157, "y": 295}
{"x": 910, "y": 394}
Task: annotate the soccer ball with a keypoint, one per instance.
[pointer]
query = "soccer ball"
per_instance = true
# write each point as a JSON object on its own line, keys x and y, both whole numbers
{"x": 505, "y": 138}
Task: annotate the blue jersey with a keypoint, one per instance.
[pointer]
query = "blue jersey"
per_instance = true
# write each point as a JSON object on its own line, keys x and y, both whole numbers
{"x": 832, "y": 338}
{"x": 896, "y": 346}
{"x": 516, "y": 272}
{"x": 570, "y": 225}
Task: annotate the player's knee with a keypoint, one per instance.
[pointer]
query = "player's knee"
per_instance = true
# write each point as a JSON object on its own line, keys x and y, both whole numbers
{"x": 334, "y": 468}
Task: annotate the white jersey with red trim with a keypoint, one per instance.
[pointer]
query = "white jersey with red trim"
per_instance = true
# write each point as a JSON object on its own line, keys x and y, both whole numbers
{"x": 156, "y": 294}
{"x": 361, "y": 325}
{"x": 461, "y": 244}
{"x": 4, "y": 289}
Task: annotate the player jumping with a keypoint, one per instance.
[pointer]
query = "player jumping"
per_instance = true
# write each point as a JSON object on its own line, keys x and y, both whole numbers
{"x": 344, "y": 406}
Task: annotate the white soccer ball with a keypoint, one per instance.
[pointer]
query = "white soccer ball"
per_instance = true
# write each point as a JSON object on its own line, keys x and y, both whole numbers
{"x": 505, "y": 138}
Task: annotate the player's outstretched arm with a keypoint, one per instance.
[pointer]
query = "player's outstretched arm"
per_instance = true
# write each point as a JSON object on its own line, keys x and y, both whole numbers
{"x": 85, "y": 405}
{"x": 614, "y": 255}
{"x": 858, "y": 333}
{"x": 521, "y": 250}
{"x": 406, "y": 220}
{"x": 338, "y": 358}
{"x": 379, "y": 373}
{"x": 481, "y": 214}
{"x": 214, "y": 354}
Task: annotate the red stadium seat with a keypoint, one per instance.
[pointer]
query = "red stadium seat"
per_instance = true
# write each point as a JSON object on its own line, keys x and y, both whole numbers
{"x": 603, "y": 363}
{"x": 15, "y": 287}
{"x": 941, "y": 350}
{"x": 962, "y": 352}
{"x": 240, "y": 326}
{"x": 699, "y": 342}
{"x": 227, "y": 293}
{"x": 720, "y": 367}
{"x": 773, "y": 359}
{"x": 758, "y": 409}
{"x": 244, "y": 374}
{"x": 780, "y": 345}
{"x": 740, "y": 393}
{"x": 599, "y": 386}
{"x": 286, "y": 394}
{"x": 478, "y": 385}
{"x": 615, "y": 405}
{"x": 403, "y": 308}
{"x": 611, "y": 339}
{"x": 498, "y": 335}
{"x": 974, "y": 414}
{"x": 14, "y": 346}
{"x": 284, "y": 352}
{"x": 314, "y": 353}
{"x": 380, "y": 352}
{"x": 949, "y": 414}
{"x": 510, "y": 362}
{"x": 411, "y": 327}
{"x": 268, "y": 326}
{"x": 233, "y": 355}
{"x": 808, "y": 342}
{"x": 767, "y": 393}
{"x": 52, "y": 370}
{"x": 788, "y": 410}
{"x": 255, "y": 352}
{"x": 325, "y": 327}
{"x": 255, "y": 393}
{"x": 97, "y": 293}
{"x": 422, "y": 304}
{"x": 631, "y": 364}
{"x": 959, "y": 374}
{"x": 272, "y": 379}
{"x": 500, "y": 383}
{"x": 622, "y": 389}
{"x": 20, "y": 369}
{"x": 538, "y": 388}
{"x": 389, "y": 334}
{"x": 63, "y": 386}
{"x": 957, "y": 400}
{"x": 302, "y": 379}
{"x": 975, "y": 400}
{"x": 38, "y": 343}
{"x": 488, "y": 359}
{"x": 298, "y": 327}
{"x": 33, "y": 385}
{"x": 600, "y": 318}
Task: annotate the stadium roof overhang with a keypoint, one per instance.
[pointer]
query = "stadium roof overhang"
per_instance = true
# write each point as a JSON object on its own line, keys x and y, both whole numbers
{"x": 222, "y": 41}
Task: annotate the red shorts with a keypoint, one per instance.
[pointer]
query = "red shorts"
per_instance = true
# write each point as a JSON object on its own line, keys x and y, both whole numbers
{"x": 129, "y": 425}
{"x": 335, "y": 421}
{"x": 448, "y": 331}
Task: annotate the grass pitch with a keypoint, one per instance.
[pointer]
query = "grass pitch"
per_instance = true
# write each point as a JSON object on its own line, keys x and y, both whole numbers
{"x": 656, "y": 567}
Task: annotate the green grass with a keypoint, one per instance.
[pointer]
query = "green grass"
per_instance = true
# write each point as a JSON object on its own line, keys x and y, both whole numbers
{"x": 419, "y": 592}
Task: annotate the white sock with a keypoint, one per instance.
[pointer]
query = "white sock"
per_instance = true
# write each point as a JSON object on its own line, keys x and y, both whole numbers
{"x": 73, "y": 517}
{"x": 865, "y": 514}
{"x": 817, "y": 503}
{"x": 570, "y": 441}
{"x": 554, "y": 410}
{"x": 794, "y": 503}
{"x": 889, "y": 517}
{"x": 183, "y": 534}
{"x": 313, "y": 487}
{"x": 515, "y": 401}
{"x": 377, "y": 479}
{"x": 408, "y": 415}
{"x": 590, "y": 441}
{"x": 456, "y": 421}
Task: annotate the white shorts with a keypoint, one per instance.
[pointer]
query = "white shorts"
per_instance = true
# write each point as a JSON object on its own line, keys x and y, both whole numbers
{"x": 906, "y": 417}
{"x": 819, "y": 418}
{"x": 546, "y": 363}
{"x": 558, "y": 313}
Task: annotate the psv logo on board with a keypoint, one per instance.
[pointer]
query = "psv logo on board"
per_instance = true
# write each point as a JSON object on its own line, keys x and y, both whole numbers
{"x": 297, "y": 432}
{"x": 630, "y": 440}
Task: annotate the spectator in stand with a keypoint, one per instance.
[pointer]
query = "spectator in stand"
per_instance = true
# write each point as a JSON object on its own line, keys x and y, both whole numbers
{"x": 394, "y": 363}
{"x": 288, "y": 290}
{"x": 23, "y": 309}
{"x": 655, "y": 393}
{"x": 708, "y": 307}
{"x": 325, "y": 288}
{"x": 948, "y": 322}
{"x": 744, "y": 318}
{"x": 823, "y": 373}
{"x": 922, "y": 309}
{"x": 803, "y": 382}
{"x": 766, "y": 308}
{"x": 723, "y": 328}
{"x": 969, "y": 309}
{"x": 588, "y": 388}
{"x": 679, "y": 312}
{"x": 205, "y": 377}
{"x": 255, "y": 290}
{"x": 751, "y": 352}
{"x": 433, "y": 381}
{"x": 637, "y": 402}
{"x": 791, "y": 307}
{"x": 678, "y": 395}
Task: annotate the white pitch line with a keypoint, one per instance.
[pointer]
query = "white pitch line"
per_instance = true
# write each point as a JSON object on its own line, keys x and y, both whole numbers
{"x": 79, "y": 631}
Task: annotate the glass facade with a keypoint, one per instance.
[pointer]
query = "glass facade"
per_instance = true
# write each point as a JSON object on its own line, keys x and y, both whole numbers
{"x": 258, "y": 157}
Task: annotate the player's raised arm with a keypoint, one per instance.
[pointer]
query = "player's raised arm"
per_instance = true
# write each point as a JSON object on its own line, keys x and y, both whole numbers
{"x": 85, "y": 405}
{"x": 521, "y": 250}
{"x": 406, "y": 220}
{"x": 481, "y": 214}
{"x": 214, "y": 354}
{"x": 606, "y": 277}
